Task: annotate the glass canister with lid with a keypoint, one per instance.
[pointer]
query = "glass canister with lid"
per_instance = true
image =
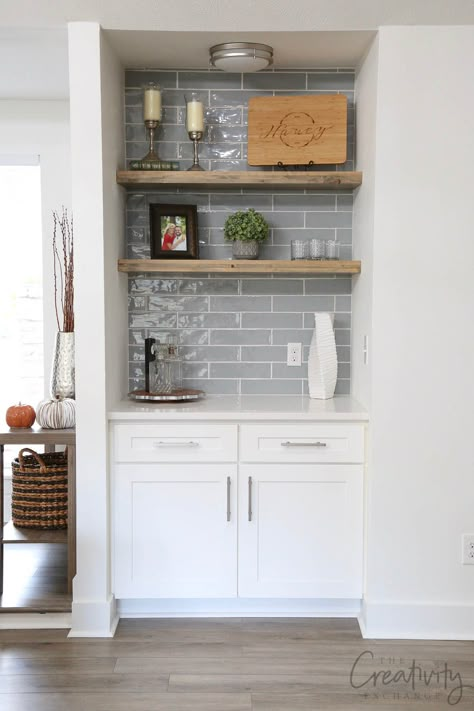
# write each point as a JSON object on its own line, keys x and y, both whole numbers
{"x": 163, "y": 371}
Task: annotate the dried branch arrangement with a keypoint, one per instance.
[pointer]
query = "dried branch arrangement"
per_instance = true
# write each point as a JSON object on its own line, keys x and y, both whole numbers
{"x": 63, "y": 256}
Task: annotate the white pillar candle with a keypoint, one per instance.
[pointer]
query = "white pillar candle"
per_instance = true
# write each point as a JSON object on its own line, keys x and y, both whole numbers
{"x": 194, "y": 116}
{"x": 152, "y": 104}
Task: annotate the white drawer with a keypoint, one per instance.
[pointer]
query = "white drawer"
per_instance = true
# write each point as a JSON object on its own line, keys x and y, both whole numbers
{"x": 175, "y": 442}
{"x": 314, "y": 442}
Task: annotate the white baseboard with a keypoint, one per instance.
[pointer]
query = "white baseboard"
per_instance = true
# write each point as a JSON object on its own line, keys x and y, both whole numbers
{"x": 35, "y": 621}
{"x": 413, "y": 620}
{"x": 238, "y": 607}
{"x": 94, "y": 618}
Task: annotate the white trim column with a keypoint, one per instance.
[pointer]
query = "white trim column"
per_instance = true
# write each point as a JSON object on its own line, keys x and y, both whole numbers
{"x": 93, "y": 610}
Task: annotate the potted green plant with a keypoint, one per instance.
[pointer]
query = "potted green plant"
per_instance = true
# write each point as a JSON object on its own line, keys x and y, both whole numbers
{"x": 245, "y": 229}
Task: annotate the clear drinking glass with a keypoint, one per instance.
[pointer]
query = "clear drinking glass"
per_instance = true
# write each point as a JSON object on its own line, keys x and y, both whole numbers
{"x": 299, "y": 249}
{"x": 332, "y": 249}
{"x": 317, "y": 249}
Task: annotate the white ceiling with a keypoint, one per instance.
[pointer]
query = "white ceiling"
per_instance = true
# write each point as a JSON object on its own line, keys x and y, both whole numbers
{"x": 168, "y": 50}
{"x": 238, "y": 15}
{"x": 178, "y": 33}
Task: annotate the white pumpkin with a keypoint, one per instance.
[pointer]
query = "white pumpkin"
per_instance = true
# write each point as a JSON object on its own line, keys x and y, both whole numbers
{"x": 56, "y": 414}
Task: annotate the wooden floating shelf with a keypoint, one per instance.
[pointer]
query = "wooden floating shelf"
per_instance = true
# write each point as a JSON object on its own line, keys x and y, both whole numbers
{"x": 243, "y": 266}
{"x": 263, "y": 179}
{"x": 12, "y": 534}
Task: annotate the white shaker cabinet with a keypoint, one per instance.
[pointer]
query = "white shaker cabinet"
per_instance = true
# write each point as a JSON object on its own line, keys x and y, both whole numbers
{"x": 175, "y": 530}
{"x": 229, "y": 509}
{"x": 300, "y": 531}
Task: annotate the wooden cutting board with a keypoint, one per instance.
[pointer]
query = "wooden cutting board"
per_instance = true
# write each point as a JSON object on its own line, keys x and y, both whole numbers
{"x": 295, "y": 130}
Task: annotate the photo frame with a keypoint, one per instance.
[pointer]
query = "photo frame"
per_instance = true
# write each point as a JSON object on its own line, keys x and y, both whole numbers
{"x": 173, "y": 231}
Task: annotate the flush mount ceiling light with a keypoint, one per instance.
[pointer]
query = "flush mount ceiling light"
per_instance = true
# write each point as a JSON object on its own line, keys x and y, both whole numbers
{"x": 241, "y": 56}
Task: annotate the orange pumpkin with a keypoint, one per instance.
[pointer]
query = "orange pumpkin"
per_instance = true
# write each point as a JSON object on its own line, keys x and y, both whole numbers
{"x": 20, "y": 416}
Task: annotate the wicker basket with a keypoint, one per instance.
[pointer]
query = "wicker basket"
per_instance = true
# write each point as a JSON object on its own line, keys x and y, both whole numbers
{"x": 39, "y": 490}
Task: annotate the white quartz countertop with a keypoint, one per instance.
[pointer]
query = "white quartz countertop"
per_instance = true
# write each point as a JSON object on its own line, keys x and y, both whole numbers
{"x": 245, "y": 407}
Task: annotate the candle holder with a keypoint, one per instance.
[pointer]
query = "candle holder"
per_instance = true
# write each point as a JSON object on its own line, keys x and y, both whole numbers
{"x": 151, "y": 127}
{"x": 194, "y": 124}
{"x": 195, "y": 137}
{"x": 151, "y": 116}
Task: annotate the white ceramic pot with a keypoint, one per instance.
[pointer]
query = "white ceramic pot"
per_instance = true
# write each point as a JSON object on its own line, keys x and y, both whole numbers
{"x": 244, "y": 250}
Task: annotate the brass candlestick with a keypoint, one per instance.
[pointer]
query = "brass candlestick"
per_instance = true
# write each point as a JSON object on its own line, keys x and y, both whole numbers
{"x": 151, "y": 128}
{"x": 195, "y": 137}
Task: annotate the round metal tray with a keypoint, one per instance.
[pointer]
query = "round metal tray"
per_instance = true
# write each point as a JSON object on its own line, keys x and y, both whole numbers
{"x": 184, "y": 395}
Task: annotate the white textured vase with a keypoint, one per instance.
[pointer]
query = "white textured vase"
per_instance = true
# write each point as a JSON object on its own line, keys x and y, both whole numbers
{"x": 322, "y": 361}
{"x": 63, "y": 369}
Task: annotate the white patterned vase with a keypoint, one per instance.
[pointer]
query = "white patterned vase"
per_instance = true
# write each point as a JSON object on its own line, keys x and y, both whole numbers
{"x": 322, "y": 361}
{"x": 63, "y": 369}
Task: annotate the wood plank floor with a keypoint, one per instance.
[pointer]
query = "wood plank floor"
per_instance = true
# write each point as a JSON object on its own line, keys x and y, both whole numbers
{"x": 35, "y": 578}
{"x": 230, "y": 665}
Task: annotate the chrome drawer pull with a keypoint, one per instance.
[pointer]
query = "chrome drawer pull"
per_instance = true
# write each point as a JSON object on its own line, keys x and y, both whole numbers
{"x": 228, "y": 498}
{"x": 176, "y": 444}
{"x": 303, "y": 444}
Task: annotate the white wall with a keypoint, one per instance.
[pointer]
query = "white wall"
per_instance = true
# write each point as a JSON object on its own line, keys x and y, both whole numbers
{"x": 363, "y": 224}
{"x": 113, "y": 157}
{"x": 422, "y": 351}
{"x": 36, "y": 61}
{"x": 97, "y": 145}
{"x": 42, "y": 128}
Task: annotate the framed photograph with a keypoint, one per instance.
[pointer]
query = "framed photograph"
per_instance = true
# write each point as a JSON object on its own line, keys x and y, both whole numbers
{"x": 173, "y": 230}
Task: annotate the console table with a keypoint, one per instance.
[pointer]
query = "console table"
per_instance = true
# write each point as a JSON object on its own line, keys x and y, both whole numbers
{"x": 8, "y": 532}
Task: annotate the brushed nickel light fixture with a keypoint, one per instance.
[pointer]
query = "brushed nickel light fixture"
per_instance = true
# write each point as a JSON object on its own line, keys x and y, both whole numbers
{"x": 241, "y": 56}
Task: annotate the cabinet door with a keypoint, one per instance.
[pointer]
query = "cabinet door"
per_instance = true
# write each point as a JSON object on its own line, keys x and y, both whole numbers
{"x": 300, "y": 530}
{"x": 175, "y": 530}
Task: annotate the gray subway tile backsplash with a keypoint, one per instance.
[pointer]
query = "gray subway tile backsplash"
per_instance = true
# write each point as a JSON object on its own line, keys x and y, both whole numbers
{"x": 235, "y": 201}
{"x": 271, "y": 386}
{"x": 153, "y": 319}
{"x": 263, "y": 354}
{"x": 305, "y": 203}
{"x": 241, "y": 336}
{"x": 279, "y": 285}
{"x": 328, "y": 219}
{"x": 281, "y": 337}
{"x": 240, "y": 370}
{"x": 272, "y": 320}
{"x": 204, "y": 80}
{"x": 234, "y": 99}
{"x": 208, "y": 286}
{"x": 283, "y": 81}
{"x": 303, "y": 303}
{"x": 330, "y": 82}
{"x": 179, "y": 303}
{"x": 240, "y": 303}
{"x": 234, "y": 329}
{"x": 328, "y": 286}
{"x": 138, "y": 77}
{"x": 223, "y": 386}
{"x": 209, "y": 320}
{"x": 195, "y": 370}
{"x": 210, "y": 354}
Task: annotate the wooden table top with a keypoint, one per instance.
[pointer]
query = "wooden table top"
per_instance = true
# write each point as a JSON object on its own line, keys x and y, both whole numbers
{"x": 37, "y": 435}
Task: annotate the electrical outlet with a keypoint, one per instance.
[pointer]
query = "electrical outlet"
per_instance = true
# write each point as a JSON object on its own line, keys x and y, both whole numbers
{"x": 293, "y": 354}
{"x": 468, "y": 549}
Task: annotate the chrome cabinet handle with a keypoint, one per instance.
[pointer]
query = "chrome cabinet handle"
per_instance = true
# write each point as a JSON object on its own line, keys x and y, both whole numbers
{"x": 228, "y": 498}
{"x": 250, "y": 499}
{"x": 303, "y": 444}
{"x": 176, "y": 444}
